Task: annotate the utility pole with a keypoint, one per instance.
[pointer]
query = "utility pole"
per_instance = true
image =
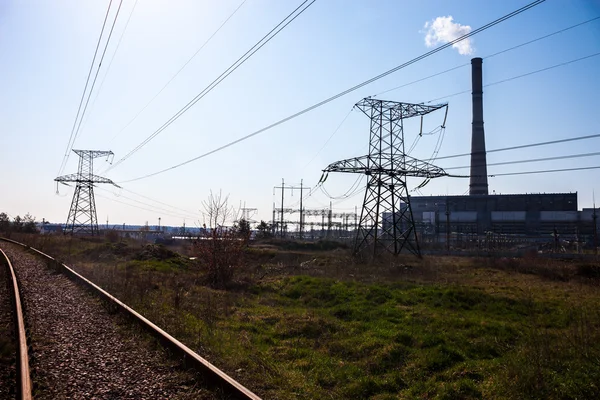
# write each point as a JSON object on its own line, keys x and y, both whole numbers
{"x": 595, "y": 218}
{"x": 247, "y": 213}
{"x": 329, "y": 220}
{"x": 282, "y": 192}
{"x": 283, "y": 188}
{"x": 447, "y": 226}
{"x": 273, "y": 226}
{"x": 301, "y": 208}
{"x": 301, "y": 220}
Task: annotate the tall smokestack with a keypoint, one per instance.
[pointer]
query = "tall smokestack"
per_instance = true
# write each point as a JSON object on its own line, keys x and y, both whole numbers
{"x": 478, "y": 183}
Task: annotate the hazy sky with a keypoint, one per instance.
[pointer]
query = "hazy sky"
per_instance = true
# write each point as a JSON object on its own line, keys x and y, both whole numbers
{"x": 46, "y": 48}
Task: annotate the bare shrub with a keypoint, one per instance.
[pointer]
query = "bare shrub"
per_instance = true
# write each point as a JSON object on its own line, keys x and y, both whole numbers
{"x": 220, "y": 248}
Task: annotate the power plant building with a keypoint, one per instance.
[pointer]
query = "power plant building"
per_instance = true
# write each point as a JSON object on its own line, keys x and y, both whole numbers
{"x": 522, "y": 214}
{"x": 479, "y": 213}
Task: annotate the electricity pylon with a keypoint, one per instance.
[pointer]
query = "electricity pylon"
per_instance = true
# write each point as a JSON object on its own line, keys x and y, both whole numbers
{"x": 387, "y": 219}
{"x": 82, "y": 215}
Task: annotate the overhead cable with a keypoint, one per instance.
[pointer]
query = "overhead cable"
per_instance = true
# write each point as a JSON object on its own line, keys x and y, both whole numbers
{"x": 111, "y": 61}
{"x": 180, "y": 69}
{"x": 524, "y": 146}
{"x": 532, "y": 160}
{"x": 266, "y": 39}
{"x": 97, "y": 72}
{"x": 491, "y": 55}
{"x": 329, "y": 138}
{"x": 544, "y": 171}
{"x": 87, "y": 81}
{"x": 154, "y": 208}
{"x": 159, "y": 202}
{"x": 518, "y": 76}
{"x": 140, "y": 208}
{"x": 345, "y": 92}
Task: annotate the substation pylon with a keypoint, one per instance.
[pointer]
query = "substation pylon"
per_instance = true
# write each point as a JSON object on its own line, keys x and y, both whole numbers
{"x": 82, "y": 214}
{"x": 386, "y": 219}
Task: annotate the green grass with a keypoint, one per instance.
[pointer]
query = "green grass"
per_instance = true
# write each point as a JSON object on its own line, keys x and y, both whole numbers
{"x": 353, "y": 340}
{"x": 310, "y": 337}
{"x": 444, "y": 328}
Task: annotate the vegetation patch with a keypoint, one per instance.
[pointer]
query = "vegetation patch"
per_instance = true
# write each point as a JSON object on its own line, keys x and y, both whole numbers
{"x": 315, "y": 324}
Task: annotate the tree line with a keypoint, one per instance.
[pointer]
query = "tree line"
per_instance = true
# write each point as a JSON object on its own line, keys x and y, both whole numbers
{"x": 25, "y": 224}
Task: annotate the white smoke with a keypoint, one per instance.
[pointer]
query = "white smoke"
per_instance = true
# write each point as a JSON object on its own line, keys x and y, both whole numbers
{"x": 443, "y": 30}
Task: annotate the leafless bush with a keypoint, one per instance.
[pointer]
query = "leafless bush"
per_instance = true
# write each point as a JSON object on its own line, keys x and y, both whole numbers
{"x": 219, "y": 247}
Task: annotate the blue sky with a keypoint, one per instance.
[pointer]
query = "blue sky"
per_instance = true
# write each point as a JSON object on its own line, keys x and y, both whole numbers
{"x": 47, "y": 47}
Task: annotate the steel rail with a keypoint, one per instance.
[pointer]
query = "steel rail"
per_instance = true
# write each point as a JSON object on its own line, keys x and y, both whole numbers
{"x": 212, "y": 374}
{"x": 24, "y": 377}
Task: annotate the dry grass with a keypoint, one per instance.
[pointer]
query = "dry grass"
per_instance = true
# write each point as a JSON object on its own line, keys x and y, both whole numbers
{"x": 306, "y": 323}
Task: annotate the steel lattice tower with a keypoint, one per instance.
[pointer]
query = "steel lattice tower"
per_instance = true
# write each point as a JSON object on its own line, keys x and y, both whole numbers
{"x": 82, "y": 215}
{"x": 386, "y": 219}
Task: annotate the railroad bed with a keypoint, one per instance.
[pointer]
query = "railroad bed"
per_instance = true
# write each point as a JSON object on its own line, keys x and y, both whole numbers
{"x": 80, "y": 351}
{"x": 8, "y": 348}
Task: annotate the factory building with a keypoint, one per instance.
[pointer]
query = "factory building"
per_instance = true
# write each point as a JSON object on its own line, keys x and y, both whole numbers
{"x": 522, "y": 214}
{"x": 479, "y": 213}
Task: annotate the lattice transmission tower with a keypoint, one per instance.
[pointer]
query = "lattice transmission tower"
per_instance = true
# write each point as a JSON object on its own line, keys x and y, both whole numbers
{"x": 82, "y": 215}
{"x": 386, "y": 219}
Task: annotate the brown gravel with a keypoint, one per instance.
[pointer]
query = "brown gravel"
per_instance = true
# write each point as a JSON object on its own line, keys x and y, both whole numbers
{"x": 82, "y": 352}
{"x": 8, "y": 360}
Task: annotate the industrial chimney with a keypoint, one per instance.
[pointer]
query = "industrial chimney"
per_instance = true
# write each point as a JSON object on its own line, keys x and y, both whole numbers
{"x": 478, "y": 184}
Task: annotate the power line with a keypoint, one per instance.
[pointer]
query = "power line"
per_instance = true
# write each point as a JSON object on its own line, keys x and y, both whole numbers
{"x": 266, "y": 39}
{"x": 77, "y": 130}
{"x": 180, "y": 69}
{"x": 544, "y": 37}
{"x": 97, "y": 71}
{"x": 159, "y": 202}
{"x": 524, "y": 146}
{"x": 518, "y": 76}
{"x": 347, "y": 91}
{"x": 329, "y": 139}
{"x": 545, "y": 171}
{"x": 69, "y": 146}
{"x": 491, "y": 55}
{"x": 111, "y": 60}
{"x": 533, "y": 160}
{"x": 155, "y": 208}
{"x": 140, "y": 208}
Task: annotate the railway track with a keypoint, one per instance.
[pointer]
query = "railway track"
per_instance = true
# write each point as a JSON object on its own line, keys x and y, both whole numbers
{"x": 79, "y": 350}
{"x": 15, "y": 362}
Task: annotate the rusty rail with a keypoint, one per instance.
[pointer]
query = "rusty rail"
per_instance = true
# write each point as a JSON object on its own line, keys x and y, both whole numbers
{"x": 212, "y": 374}
{"x": 24, "y": 377}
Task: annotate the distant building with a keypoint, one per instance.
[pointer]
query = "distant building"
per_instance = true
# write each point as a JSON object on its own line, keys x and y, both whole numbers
{"x": 516, "y": 214}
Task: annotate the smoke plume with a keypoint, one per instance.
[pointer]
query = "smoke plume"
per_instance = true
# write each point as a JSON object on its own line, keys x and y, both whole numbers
{"x": 444, "y": 30}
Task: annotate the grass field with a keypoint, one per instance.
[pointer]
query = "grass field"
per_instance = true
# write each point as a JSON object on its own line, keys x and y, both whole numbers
{"x": 304, "y": 323}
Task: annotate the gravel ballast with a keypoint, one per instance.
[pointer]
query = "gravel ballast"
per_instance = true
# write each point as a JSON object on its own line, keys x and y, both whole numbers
{"x": 8, "y": 346}
{"x": 80, "y": 351}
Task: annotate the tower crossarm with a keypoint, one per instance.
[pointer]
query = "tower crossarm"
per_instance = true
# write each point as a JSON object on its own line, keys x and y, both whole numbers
{"x": 94, "y": 153}
{"x": 85, "y": 179}
{"x": 395, "y": 109}
{"x": 387, "y": 166}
